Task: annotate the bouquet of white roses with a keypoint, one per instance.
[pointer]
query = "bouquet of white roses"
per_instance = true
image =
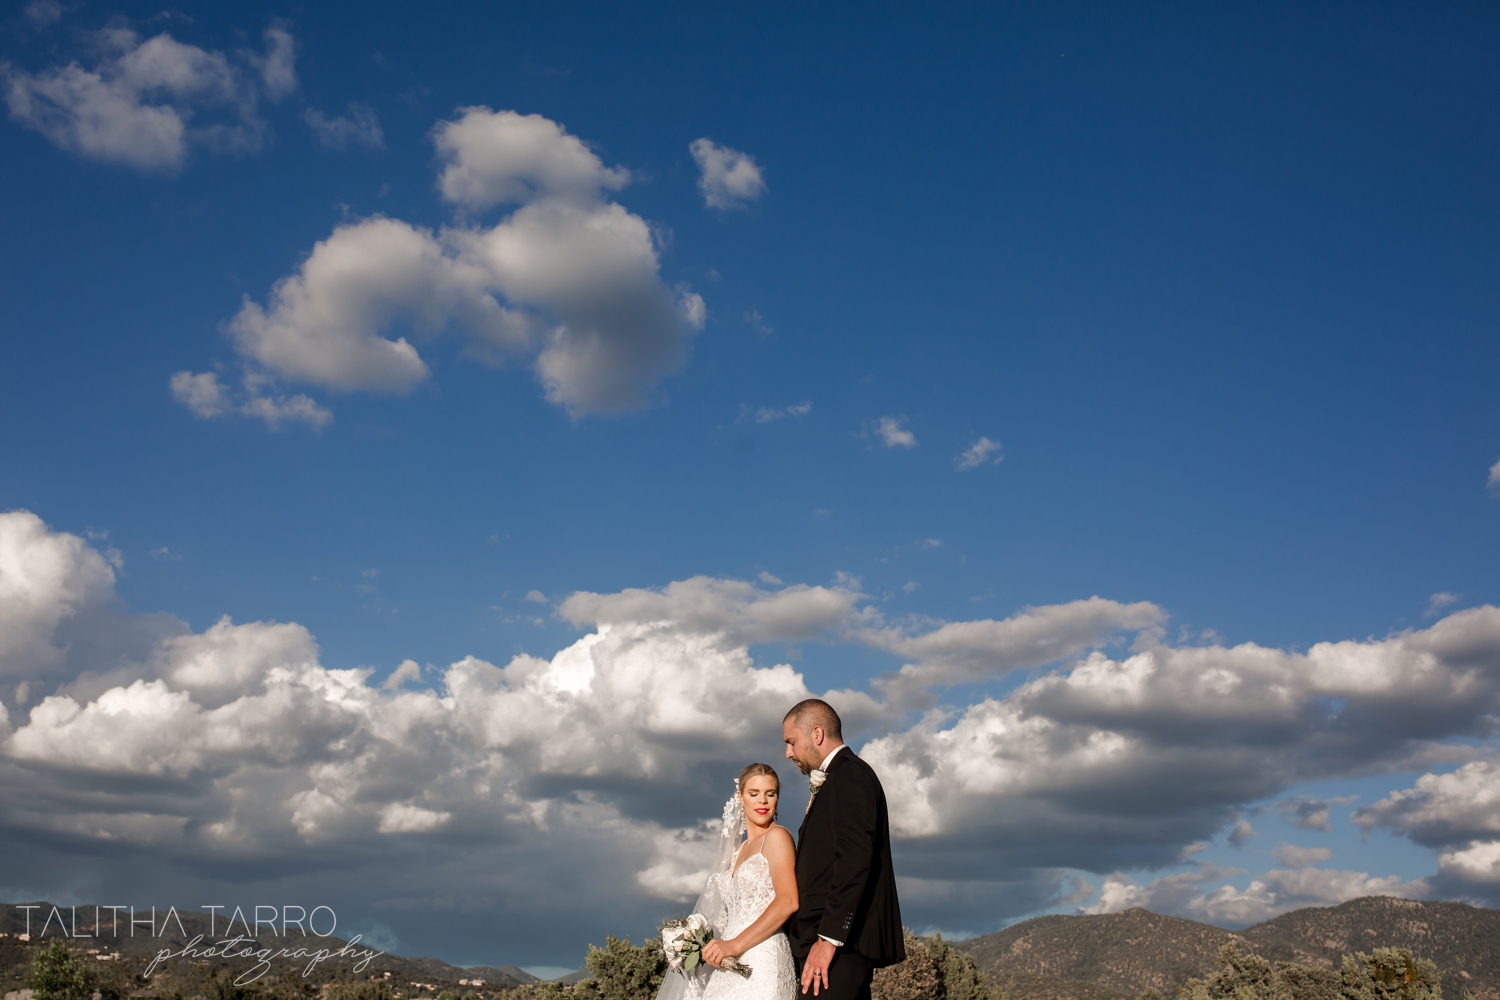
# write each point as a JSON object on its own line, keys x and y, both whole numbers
{"x": 682, "y": 941}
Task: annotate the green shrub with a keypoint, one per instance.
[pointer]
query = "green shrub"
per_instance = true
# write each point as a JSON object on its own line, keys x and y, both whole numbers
{"x": 363, "y": 991}
{"x": 1390, "y": 974}
{"x": 622, "y": 971}
{"x": 56, "y": 974}
{"x": 933, "y": 970}
{"x": 1384, "y": 974}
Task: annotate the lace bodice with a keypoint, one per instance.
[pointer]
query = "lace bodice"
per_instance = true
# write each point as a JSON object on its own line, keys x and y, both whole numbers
{"x": 746, "y": 893}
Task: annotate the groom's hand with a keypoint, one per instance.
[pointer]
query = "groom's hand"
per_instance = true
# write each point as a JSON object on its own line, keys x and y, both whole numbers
{"x": 815, "y": 969}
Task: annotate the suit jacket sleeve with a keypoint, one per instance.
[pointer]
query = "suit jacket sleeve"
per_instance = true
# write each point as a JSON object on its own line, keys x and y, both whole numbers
{"x": 854, "y": 845}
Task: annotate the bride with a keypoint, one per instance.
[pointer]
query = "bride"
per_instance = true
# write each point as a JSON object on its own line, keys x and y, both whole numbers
{"x": 750, "y": 894}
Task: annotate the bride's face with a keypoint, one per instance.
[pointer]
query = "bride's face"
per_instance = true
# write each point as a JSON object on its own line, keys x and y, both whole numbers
{"x": 759, "y": 798}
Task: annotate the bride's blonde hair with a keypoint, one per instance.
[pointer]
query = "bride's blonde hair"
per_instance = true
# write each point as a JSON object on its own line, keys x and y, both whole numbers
{"x": 755, "y": 771}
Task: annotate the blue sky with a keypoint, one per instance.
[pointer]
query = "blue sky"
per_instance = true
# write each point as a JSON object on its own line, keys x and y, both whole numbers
{"x": 1217, "y": 286}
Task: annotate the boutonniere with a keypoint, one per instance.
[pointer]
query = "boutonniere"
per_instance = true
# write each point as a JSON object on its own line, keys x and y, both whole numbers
{"x": 814, "y": 782}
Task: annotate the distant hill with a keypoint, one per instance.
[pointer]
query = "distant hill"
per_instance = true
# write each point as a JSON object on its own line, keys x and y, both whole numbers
{"x": 1463, "y": 940}
{"x": 136, "y": 950}
{"x": 1122, "y": 954}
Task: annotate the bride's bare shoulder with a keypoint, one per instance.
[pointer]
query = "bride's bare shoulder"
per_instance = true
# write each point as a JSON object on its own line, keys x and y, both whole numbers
{"x": 779, "y": 838}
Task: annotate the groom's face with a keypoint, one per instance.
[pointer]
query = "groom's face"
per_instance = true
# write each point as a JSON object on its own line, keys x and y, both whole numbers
{"x": 802, "y": 747}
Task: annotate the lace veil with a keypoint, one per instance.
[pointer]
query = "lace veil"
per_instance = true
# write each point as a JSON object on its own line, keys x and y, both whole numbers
{"x": 677, "y": 986}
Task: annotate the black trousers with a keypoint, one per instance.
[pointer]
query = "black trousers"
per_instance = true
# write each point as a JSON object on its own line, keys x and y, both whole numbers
{"x": 849, "y": 976}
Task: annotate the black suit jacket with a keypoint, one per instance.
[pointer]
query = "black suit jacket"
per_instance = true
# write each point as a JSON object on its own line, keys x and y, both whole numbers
{"x": 846, "y": 887}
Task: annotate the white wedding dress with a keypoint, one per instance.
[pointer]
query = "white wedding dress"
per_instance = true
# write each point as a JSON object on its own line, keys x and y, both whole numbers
{"x": 745, "y": 895}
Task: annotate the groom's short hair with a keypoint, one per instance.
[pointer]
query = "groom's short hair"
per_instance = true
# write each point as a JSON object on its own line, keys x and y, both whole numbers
{"x": 816, "y": 712}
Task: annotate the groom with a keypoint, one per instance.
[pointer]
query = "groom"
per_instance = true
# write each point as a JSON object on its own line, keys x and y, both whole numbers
{"x": 848, "y": 923}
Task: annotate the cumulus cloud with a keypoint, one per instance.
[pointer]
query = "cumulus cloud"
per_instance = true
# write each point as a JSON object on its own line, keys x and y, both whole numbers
{"x": 568, "y": 276}
{"x": 505, "y": 158}
{"x": 1276, "y": 892}
{"x": 360, "y": 127}
{"x": 1494, "y": 480}
{"x": 893, "y": 432}
{"x": 236, "y": 753}
{"x": 1437, "y": 602}
{"x": 1242, "y": 833}
{"x": 146, "y": 102}
{"x": 981, "y": 452}
{"x": 207, "y": 398}
{"x": 1443, "y": 809}
{"x": 45, "y": 578}
{"x": 963, "y": 652}
{"x": 727, "y": 177}
{"x": 202, "y": 393}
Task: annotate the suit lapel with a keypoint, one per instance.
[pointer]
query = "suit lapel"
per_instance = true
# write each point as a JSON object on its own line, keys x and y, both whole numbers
{"x": 833, "y": 765}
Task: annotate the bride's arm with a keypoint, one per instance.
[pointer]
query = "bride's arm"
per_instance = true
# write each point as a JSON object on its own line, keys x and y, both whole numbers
{"x": 782, "y": 857}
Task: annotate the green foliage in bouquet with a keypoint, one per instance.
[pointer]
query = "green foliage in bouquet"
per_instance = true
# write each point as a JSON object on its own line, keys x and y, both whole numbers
{"x": 625, "y": 972}
{"x": 933, "y": 970}
{"x": 57, "y": 974}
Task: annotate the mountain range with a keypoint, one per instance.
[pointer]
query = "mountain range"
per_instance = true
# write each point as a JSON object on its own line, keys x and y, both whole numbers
{"x": 1115, "y": 955}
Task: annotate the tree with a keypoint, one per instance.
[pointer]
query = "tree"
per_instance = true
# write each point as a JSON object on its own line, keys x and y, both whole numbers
{"x": 624, "y": 972}
{"x": 1238, "y": 977}
{"x": 1384, "y": 974}
{"x": 1390, "y": 974}
{"x": 933, "y": 970}
{"x": 56, "y": 974}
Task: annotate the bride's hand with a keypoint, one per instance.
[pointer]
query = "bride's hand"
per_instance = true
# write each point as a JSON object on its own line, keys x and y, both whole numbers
{"x": 716, "y": 951}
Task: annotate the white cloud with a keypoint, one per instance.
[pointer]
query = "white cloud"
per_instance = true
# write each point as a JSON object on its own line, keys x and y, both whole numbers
{"x": 767, "y": 414}
{"x": 894, "y": 433}
{"x": 360, "y": 127}
{"x": 1494, "y": 480}
{"x": 208, "y": 398}
{"x": 1301, "y": 857}
{"x": 201, "y": 393}
{"x": 146, "y": 102}
{"x": 278, "y": 68}
{"x": 1443, "y": 809}
{"x": 409, "y": 670}
{"x": 501, "y": 157}
{"x": 981, "y": 452}
{"x": 960, "y": 652}
{"x": 1437, "y": 602}
{"x": 240, "y": 746}
{"x": 578, "y": 276}
{"x": 45, "y": 578}
{"x": 402, "y": 817}
{"x": 1275, "y": 892}
{"x": 728, "y": 178}
{"x": 536, "y": 597}
{"x": 1474, "y": 866}
{"x": 324, "y": 323}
